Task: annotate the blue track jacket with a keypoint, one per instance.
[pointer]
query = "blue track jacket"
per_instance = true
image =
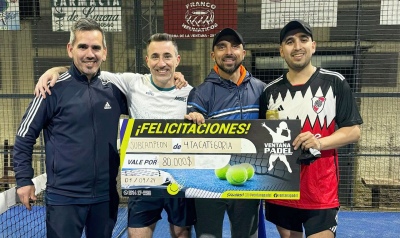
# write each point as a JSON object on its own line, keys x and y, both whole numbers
{"x": 219, "y": 98}
{"x": 80, "y": 125}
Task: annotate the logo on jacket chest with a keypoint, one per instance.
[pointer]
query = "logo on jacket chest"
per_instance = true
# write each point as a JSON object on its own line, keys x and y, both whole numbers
{"x": 107, "y": 106}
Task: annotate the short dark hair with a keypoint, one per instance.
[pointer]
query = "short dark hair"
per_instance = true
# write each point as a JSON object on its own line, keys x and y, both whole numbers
{"x": 85, "y": 24}
{"x": 158, "y": 37}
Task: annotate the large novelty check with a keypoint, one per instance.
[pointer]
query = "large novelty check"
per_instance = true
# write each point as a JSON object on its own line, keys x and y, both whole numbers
{"x": 249, "y": 159}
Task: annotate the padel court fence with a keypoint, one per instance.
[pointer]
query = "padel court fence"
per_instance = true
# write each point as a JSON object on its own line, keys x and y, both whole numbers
{"x": 358, "y": 38}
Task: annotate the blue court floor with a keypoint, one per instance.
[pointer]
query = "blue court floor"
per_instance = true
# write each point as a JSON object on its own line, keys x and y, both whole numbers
{"x": 351, "y": 224}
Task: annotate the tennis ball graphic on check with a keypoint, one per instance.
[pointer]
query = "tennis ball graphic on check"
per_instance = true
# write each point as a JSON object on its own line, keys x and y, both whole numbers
{"x": 250, "y": 170}
{"x": 173, "y": 188}
{"x": 221, "y": 172}
{"x": 236, "y": 175}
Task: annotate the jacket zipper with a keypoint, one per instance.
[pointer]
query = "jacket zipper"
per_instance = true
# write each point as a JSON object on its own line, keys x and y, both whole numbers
{"x": 240, "y": 102}
{"x": 94, "y": 144}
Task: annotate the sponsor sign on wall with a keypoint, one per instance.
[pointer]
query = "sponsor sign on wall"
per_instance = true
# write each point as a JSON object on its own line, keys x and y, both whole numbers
{"x": 106, "y": 12}
{"x": 9, "y": 15}
{"x": 390, "y": 12}
{"x": 318, "y": 13}
{"x": 198, "y": 19}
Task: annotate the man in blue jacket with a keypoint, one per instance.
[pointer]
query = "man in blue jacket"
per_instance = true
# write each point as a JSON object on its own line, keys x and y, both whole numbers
{"x": 228, "y": 92}
{"x": 80, "y": 126}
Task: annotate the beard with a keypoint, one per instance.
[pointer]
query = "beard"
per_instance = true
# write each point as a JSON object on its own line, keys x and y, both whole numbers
{"x": 229, "y": 70}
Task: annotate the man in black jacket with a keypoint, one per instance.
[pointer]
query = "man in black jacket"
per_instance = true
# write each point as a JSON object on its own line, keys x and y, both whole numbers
{"x": 80, "y": 126}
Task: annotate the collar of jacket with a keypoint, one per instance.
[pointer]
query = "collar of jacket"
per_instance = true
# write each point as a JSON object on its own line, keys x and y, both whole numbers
{"x": 243, "y": 73}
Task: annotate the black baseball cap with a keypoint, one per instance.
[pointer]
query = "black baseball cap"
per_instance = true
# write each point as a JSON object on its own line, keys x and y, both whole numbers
{"x": 227, "y": 32}
{"x": 295, "y": 24}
